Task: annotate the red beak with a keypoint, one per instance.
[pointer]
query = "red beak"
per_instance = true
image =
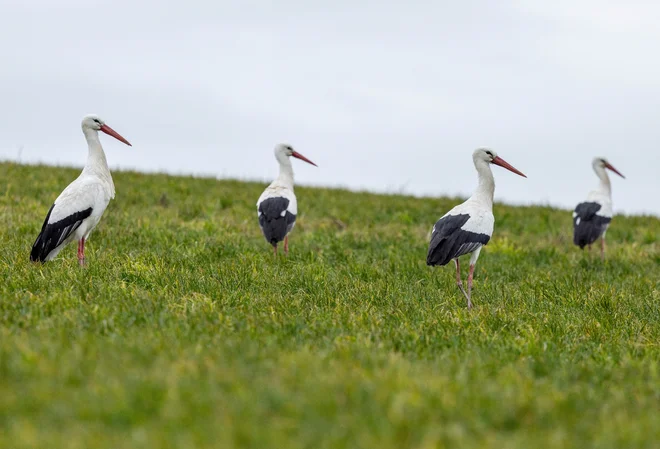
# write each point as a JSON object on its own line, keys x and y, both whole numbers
{"x": 111, "y": 132}
{"x": 502, "y": 163}
{"x": 301, "y": 157}
{"x": 608, "y": 165}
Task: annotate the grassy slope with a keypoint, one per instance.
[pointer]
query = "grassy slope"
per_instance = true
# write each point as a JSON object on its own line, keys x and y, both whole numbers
{"x": 183, "y": 329}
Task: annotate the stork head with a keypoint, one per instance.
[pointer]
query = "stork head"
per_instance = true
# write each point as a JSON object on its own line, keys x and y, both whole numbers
{"x": 96, "y": 123}
{"x": 283, "y": 151}
{"x": 600, "y": 163}
{"x": 490, "y": 157}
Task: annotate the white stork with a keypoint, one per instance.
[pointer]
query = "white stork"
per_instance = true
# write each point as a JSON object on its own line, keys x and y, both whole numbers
{"x": 592, "y": 217}
{"x": 468, "y": 226}
{"x": 80, "y": 206}
{"x": 277, "y": 206}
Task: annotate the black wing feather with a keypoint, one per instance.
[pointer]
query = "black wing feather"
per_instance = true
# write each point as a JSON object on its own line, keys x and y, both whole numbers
{"x": 587, "y": 225}
{"x": 449, "y": 241}
{"x": 54, "y": 234}
{"x": 275, "y": 220}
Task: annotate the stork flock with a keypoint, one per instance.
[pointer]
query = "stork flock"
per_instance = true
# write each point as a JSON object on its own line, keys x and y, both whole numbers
{"x": 463, "y": 230}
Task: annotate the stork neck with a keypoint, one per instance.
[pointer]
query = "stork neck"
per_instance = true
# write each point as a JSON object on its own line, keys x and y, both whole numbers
{"x": 96, "y": 160}
{"x": 486, "y": 187}
{"x": 96, "y": 164}
{"x": 604, "y": 185}
{"x": 286, "y": 172}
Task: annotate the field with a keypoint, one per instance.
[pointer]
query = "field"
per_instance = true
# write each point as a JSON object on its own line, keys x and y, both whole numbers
{"x": 185, "y": 331}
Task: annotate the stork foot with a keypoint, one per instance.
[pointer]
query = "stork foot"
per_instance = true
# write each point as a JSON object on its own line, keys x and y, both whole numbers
{"x": 460, "y": 286}
{"x": 286, "y": 245}
{"x": 459, "y": 283}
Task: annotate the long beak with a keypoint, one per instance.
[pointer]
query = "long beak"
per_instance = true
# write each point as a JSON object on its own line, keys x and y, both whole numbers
{"x": 502, "y": 163}
{"x": 301, "y": 157}
{"x": 608, "y": 165}
{"x": 111, "y": 132}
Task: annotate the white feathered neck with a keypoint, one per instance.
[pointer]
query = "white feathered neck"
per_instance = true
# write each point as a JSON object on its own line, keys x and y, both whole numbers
{"x": 97, "y": 164}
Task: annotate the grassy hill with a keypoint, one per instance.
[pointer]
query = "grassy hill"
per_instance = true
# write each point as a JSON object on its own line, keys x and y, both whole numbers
{"x": 184, "y": 331}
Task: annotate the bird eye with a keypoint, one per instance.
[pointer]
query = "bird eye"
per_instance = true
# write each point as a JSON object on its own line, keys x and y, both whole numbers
{"x": 489, "y": 153}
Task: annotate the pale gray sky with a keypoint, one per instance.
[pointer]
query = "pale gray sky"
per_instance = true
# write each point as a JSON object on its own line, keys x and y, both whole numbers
{"x": 379, "y": 96}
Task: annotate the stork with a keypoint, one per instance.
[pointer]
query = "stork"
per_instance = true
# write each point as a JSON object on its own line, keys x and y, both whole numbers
{"x": 78, "y": 209}
{"x": 468, "y": 227}
{"x": 592, "y": 217}
{"x": 277, "y": 206}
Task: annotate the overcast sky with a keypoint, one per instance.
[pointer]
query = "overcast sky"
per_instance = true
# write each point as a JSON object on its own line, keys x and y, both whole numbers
{"x": 385, "y": 97}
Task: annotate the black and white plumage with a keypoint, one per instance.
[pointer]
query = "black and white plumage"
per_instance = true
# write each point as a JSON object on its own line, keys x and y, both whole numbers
{"x": 592, "y": 217}
{"x": 449, "y": 240}
{"x": 588, "y": 225}
{"x": 277, "y": 206}
{"x": 78, "y": 209}
{"x": 55, "y": 233}
{"x": 469, "y": 226}
{"x": 276, "y": 219}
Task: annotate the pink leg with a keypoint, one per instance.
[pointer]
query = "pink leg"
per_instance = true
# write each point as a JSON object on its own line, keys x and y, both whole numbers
{"x": 275, "y": 250}
{"x": 470, "y": 276}
{"x": 286, "y": 245}
{"x": 459, "y": 283}
{"x": 602, "y": 248}
{"x": 81, "y": 252}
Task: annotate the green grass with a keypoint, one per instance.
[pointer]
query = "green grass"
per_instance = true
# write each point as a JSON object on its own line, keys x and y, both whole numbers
{"x": 184, "y": 331}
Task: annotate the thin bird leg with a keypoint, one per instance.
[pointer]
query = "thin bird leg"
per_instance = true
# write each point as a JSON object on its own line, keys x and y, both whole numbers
{"x": 81, "y": 252}
{"x": 458, "y": 280}
{"x": 602, "y": 248}
{"x": 470, "y": 276}
{"x": 286, "y": 245}
{"x": 275, "y": 250}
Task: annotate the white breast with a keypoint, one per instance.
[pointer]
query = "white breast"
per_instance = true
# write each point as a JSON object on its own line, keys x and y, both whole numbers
{"x": 276, "y": 191}
{"x": 481, "y": 219}
{"x": 605, "y": 203}
{"x": 83, "y": 193}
